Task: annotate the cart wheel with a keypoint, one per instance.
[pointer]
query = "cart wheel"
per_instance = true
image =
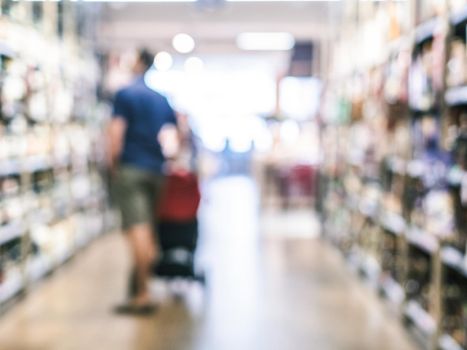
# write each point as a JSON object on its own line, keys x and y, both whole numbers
{"x": 178, "y": 289}
{"x": 201, "y": 279}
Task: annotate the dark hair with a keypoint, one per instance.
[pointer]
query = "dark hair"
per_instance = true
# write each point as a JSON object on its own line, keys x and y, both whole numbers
{"x": 146, "y": 57}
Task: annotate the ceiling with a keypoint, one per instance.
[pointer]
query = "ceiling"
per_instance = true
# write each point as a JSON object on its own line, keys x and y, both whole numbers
{"x": 136, "y": 24}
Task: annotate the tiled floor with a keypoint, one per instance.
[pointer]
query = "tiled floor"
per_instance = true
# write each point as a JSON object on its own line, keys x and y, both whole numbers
{"x": 274, "y": 291}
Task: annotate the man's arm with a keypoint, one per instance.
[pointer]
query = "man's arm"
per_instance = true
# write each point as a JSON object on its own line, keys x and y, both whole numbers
{"x": 116, "y": 130}
{"x": 115, "y": 137}
{"x": 169, "y": 137}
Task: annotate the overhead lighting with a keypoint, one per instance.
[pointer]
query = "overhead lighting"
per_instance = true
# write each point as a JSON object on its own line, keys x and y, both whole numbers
{"x": 194, "y": 65}
{"x": 133, "y": 1}
{"x": 143, "y": 1}
{"x": 163, "y": 61}
{"x": 265, "y": 41}
{"x": 183, "y": 43}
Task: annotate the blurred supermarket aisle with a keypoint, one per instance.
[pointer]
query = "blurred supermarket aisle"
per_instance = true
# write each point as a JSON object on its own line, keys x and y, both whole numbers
{"x": 267, "y": 291}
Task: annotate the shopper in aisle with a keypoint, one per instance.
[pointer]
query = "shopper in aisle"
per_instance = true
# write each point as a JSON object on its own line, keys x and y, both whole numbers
{"x": 137, "y": 161}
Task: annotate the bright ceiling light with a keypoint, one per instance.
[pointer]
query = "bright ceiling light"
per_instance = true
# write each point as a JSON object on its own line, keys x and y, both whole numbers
{"x": 265, "y": 41}
{"x": 183, "y": 43}
{"x": 163, "y": 61}
{"x": 194, "y": 65}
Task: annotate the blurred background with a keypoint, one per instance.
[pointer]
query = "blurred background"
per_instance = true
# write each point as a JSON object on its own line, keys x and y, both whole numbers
{"x": 329, "y": 144}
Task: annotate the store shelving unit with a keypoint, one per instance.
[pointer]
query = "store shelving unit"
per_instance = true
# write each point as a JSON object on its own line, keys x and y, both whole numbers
{"x": 52, "y": 198}
{"x": 408, "y": 213}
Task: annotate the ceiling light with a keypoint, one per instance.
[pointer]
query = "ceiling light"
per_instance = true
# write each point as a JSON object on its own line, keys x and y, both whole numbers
{"x": 143, "y": 1}
{"x": 163, "y": 61}
{"x": 128, "y": 1}
{"x": 183, "y": 43}
{"x": 194, "y": 65}
{"x": 265, "y": 41}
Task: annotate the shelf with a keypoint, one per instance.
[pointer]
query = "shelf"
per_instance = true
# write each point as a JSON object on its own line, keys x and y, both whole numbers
{"x": 36, "y": 163}
{"x": 454, "y": 177}
{"x": 11, "y": 287}
{"x": 30, "y": 165}
{"x": 85, "y": 203}
{"x": 10, "y": 232}
{"x": 368, "y": 265}
{"x": 393, "y": 223}
{"x": 368, "y": 210}
{"x": 392, "y": 290}
{"x": 41, "y": 217}
{"x": 83, "y": 237}
{"x": 420, "y": 318}
{"x": 446, "y": 342}
{"x": 6, "y": 50}
{"x": 9, "y": 167}
{"x": 41, "y": 240}
{"x": 38, "y": 267}
{"x": 454, "y": 259}
{"x": 456, "y": 96}
{"x": 397, "y": 165}
{"x": 422, "y": 240}
{"x": 420, "y": 113}
{"x": 416, "y": 168}
{"x": 459, "y": 17}
{"x": 65, "y": 255}
{"x": 406, "y": 240}
{"x": 426, "y": 30}
{"x": 95, "y": 225}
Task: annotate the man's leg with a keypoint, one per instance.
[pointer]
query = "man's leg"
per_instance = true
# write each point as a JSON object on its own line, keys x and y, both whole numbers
{"x": 133, "y": 279}
{"x": 137, "y": 209}
{"x": 132, "y": 284}
{"x": 142, "y": 246}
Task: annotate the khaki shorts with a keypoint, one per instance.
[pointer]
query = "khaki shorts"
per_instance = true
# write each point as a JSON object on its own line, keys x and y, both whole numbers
{"x": 137, "y": 193}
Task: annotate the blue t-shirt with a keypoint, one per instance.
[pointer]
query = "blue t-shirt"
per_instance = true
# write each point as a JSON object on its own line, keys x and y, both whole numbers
{"x": 145, "y": 112}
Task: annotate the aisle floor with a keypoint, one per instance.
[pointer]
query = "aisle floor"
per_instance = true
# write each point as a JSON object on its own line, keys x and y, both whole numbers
{"x": 266, "y": 290}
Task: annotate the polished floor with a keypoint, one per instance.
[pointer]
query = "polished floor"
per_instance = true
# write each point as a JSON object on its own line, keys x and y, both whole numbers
{"x": 268, "y": 289}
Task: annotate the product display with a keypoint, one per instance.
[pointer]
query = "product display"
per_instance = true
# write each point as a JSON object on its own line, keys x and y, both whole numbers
{"x": 455, "y": 305}
{"x": 395, "y": 163}
{"x": 51, "y": 189}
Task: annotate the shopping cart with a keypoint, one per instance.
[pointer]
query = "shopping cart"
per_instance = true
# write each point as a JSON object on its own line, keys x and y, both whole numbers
{"x": 297, "y": 184}
{"x": 177, "y": 229}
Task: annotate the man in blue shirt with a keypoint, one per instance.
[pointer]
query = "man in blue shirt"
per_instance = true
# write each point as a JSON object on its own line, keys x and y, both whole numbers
{"x": 136, "y": 160}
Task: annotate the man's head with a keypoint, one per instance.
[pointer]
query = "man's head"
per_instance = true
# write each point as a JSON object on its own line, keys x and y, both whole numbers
{"x": 144, "y": 61}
